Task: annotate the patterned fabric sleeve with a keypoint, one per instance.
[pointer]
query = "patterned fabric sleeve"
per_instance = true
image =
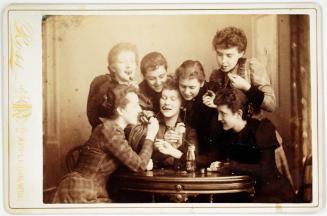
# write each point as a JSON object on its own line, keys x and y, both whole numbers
{"x": 116, "y": 144}
{"x": 260, "y": 79}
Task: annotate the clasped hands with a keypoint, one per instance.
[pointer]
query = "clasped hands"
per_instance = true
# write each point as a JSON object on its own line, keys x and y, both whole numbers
{"x": 145, "y": 116}
{"x": 175, "y": 137}
{"x": 236, "y": 81}
{"x": 168, "y": 149}
{"x": 152, "y": 128}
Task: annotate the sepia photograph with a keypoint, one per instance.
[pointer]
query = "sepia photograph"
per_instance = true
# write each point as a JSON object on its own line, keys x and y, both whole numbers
{"x": 171, "y": 106}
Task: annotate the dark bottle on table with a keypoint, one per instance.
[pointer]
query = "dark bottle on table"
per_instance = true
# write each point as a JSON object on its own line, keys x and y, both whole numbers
{"x": 190, "y": 159}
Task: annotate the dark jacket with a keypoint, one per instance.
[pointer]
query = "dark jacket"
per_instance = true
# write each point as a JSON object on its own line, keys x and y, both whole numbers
{"x": 252, "y": 151}
{"x": 204, "y": 120}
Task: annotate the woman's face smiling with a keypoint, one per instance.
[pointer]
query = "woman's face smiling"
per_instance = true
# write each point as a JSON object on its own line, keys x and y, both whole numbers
{"x": 170, "y": 103}
{"x": 189, "y": 88}
{"x": 228, "y": 118}
{"x": 156, "y": 78}
{"x": 124, "y": 67}
{"x": 132, "y": 109}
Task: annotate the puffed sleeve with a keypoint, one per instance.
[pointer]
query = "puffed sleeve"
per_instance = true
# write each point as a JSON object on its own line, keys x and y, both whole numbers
{"x": 260, "y": 79}
{"x": 266, "y": 135}
{"x": 116, "y": 144}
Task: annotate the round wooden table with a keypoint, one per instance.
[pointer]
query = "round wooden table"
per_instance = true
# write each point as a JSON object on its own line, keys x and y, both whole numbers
{"x": 179, "y": 185}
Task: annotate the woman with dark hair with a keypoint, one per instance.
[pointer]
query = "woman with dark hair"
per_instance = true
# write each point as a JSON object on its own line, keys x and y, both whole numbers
{"x": 194, "y": 89}
{"x": 107, "y": 149}
{"x": 249, "y": 147}
{"x": 122, "y": 65}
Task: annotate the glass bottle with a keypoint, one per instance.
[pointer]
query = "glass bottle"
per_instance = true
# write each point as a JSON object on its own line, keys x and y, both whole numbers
{"x": 190, "y": 159}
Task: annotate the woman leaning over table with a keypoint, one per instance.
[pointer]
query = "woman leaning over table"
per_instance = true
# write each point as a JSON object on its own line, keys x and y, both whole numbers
{"x": 107, "y": 149}
{"x": 249, "y": 147}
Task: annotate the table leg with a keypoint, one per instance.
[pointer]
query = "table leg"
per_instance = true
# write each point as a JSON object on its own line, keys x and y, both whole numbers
{"x": 153, "y": 198}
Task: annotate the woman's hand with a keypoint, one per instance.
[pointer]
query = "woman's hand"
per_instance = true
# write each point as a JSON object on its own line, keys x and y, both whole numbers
{"x": 166, "y": 148}
{"x": 163, "y": 146}
{"x": 145, "y": 116}
{"x": 153, "y": 128}
{"x": 172, "y": 137}
{"x": 239, "y": 82}
{"x": 150, "y": 165}
{"x": 214, "y": 166}
{"x": 219, "y": 165}
{"x": 180, "y": 128}
{"x": 208, "y": 99}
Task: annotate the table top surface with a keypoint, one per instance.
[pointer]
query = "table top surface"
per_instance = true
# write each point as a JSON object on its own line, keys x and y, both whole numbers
{"x": 169, "y": 181}
{"x": 170, "y": 175}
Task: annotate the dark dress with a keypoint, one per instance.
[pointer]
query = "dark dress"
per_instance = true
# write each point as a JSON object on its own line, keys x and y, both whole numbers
{"x": 252, "y": 151}
{"x": 205, "y": 122}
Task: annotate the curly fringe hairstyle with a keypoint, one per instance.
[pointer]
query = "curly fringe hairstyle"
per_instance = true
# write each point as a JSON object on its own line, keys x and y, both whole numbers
{"x": 115, "y": 98}
{"x": 230, "y": 37}
{"x": 171, "y": 84}
{"x": 235, "y": 99}
{"x": 190, "y": 69}
{"x": 151, "y": 61}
